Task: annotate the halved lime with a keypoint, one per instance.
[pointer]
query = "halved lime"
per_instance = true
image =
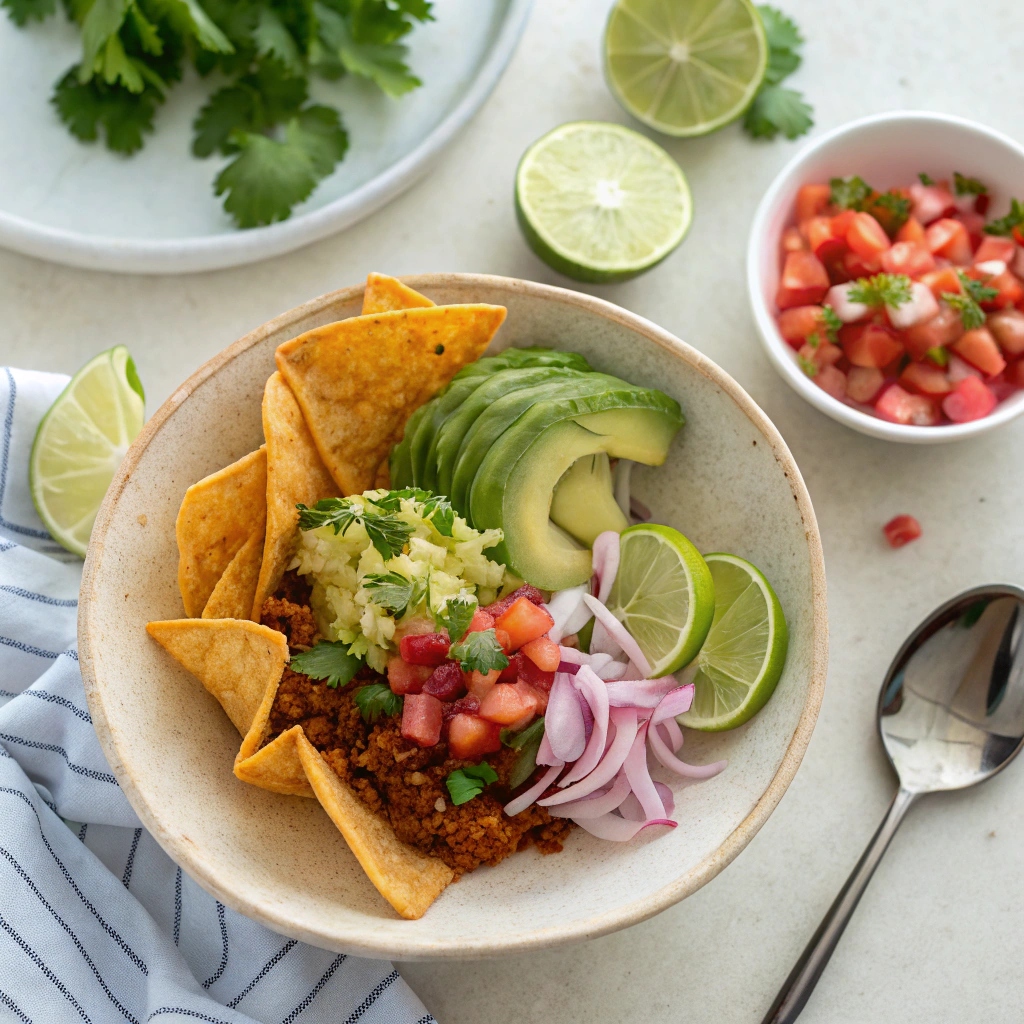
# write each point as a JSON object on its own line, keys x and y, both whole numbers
{"x": 663, "y": 594}
{"x": 744, "y": 653}
{"x": 600, "y": 202}
{"x": 80, "y": 443}
{"x": 685, "y": 67}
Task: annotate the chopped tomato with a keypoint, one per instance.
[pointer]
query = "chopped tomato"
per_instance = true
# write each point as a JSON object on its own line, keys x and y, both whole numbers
{"x": 926, "y": 379}
{"x": 899, "y": 406}
{"x": 796, "y": 324}
{"x": 792, "y": 240}
{"x": 811, "y": 200}
{"x": 481, "y": 621}
{"x": 975, "y": 225}
{"x": 527, "y": 590}
{"x": 503, "y": 638}
{"x": 804, "y": 281}
{"x": 863, "y": 383}
{"x": 480, "y": 684}
{"x": 1014, "y": 375}
{"x": 405, "y": 678}
{"x": 446, "y": 682}
{"x": 1007, "y": 327}
{"x": 910, "y": 258}
{"x": 544, "y": 653}
{"x": 969, "y": 400}
{"x": 821, "y": 355}
{"x": 540, "y": 698}
{"x": 841, "y": 222}
{"x": 866, "y": 237}
{"x": 832, "y": 381}
{"x": 855, "y": 265}
{"x": 901, "y": 530}
{"x": 945, "y": 279}
{"x": 524, "y": 622}
{"x": 912, "y": 231}
{"x": 507, "y": 703}
{"x": 979, "y": 348}
{"x": 995, "y": 248}
{"x": 470, "y": 737}
{"x": 421, "y": 719}
{"x": 1009, "y": 291}
{"x": 425, "y": 648}
{"x": 931, "y": 201}
{"x": 870, "y": 344}
{"x": 536, "y": 677}
{"x": 941, "y": 330}
{"x": 949, "y": 238}
{"x": 822, "y": 239}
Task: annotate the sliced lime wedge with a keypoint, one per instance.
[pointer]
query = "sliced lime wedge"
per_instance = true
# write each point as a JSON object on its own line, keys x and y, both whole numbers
{"x": 80, "y": 443}
{"x": 685, "y": 67}
{"x": 744, "y": 653}
{"x": 663, "y": 594}
{"x": 600, "y": 202}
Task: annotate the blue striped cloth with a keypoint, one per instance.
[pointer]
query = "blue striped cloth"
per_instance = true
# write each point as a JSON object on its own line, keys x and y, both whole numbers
{"x": 97, "y": 924}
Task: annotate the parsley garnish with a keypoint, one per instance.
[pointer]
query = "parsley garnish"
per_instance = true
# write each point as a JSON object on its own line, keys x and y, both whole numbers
{"x": 479, "y": 652}
{"x": 850, "y": 193}
{"x": 832, "y": 323}
{"x": 393, "y": 592}
{"x": 376, "y": 700}
{"x": 892, "y": 210}
{"x": 386, "y": 531}
{"x": 964, "y": 186}
{"x": 527, "y": 742}
{"x": 328, "y": 660}
{"x": 436, "y": 507}
{"x": 775, "y": 109}
{"x": 807, "y": 365}
{"x": 967, "y": 302}
{"x": 456, "y": 616}
{"x": 881, "y": 290}
{"x": 465, "y": 783}
{"x": 926, "y": 179}
{"x": 1005, "y": 225}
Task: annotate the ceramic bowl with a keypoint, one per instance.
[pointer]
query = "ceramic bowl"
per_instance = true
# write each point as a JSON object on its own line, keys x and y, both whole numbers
{"x": 730, "y": 484}
{"x": 887, "y": 150}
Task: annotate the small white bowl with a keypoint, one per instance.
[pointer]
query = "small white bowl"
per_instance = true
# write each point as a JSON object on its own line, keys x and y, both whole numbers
{"x": 887, "y": 150}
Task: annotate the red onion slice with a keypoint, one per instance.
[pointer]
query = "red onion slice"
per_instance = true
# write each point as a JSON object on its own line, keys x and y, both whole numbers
{"x": 617, "y": 829}
{"x": 564, "y": 727}
{"x": 606, "y": 562}
{"x": 618, "y": 632}
{"x": 673, "y": 734}
{"x": 597, "y": 805}
{"x": 595, "y": 693}
{"x": 668, "y": 798}
{"x": 640, "y": 781}
{"x": 673, "y": 764}
{"x": 609, "y": 668}
{"x": 569, "y": 612}
{"x": 640, "y": 693}
{"x": 638, "y": 510}
{"x": 545, "y": 755}
{"x": 631, "y": 810}
{"x": 521, "y": 802}
{"x": 675, "y": 702}
{"x": 624, "y": 720}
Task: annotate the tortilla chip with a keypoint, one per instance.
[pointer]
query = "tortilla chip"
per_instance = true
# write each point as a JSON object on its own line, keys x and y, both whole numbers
{"x": 276, "y": 766}
{"x": 408, "y": 879}
{"x": 235, "y": 592}
{"x": 217, "y": 516}
{"x": 295, "y": 473}
{"x": 358, "y": 380}
{"x": 385, "y": 293}
{"x": 238, "y": 661}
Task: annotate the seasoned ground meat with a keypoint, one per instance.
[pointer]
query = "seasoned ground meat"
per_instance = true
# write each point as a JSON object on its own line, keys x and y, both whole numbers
{"x": 402, "y": 782}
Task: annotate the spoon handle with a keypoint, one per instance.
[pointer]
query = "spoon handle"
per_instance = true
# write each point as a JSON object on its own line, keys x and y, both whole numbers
{"x": 804, "y": 976}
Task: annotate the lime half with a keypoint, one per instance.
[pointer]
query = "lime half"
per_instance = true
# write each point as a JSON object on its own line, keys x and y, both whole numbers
{"x": 81, "y": 442}
{"x": 685, "y": 67}
{"x": 600, "y": 202}
{"x": 663, "y": 594}
{"x": 745, "y": 650}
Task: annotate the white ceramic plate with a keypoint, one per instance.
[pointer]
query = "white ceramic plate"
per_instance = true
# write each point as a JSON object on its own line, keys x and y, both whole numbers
{"x": 156, "y": 212}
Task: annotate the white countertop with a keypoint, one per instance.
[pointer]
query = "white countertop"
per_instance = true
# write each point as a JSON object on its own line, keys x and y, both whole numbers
{"x": 938, "y": 936}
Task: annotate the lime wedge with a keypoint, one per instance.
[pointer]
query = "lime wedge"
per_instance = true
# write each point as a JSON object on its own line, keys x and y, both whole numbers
{"x": 745, "y": 650}
{"x": 685, "y": 67}
{"x": 600, "y": 202}
{"x": 80, "y": 443}
{"x": 663, "y": 594}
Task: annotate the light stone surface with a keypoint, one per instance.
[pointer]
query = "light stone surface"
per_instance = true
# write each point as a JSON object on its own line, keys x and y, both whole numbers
{"x": 938, "y": 936}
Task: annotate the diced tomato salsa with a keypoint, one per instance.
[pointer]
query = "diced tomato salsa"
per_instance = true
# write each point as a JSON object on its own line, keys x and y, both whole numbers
{"x": 906, "y": 304}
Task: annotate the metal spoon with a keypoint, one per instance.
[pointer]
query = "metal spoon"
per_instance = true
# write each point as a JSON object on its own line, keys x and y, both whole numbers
{"x": 951, "y": 715}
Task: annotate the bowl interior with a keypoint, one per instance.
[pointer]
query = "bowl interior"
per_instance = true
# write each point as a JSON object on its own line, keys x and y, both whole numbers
{"x": 886, "y": 151}
{"x": 729, "y": 484}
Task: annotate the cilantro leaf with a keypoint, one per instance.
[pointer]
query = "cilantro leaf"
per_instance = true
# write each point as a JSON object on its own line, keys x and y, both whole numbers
{"x": 977, "y": 290}
{"x": 831, "y": 322}
{"x": 964, "y": 186}
{"x": 101, "y": 24}
{"x": 776, "y": 110}
{"x": 527, "y": 742}
{"x": 809, "y": 367}
{"x": 850, "y": 193}
{"x": 966, "y": 303}
{"x": 188, "y": 18}
{"x": 780, "y": 31}
{"x": 389, "y": 590}
{"x": 891, "y": 210}
{"x": 926, "y": 179}
{"x": 435, "y": 507}
{"x": 376, "y": 700}
{"x": 1005, "y": 225}
{"x": 386, "y": 531}
{"x": 881, "y": 290}
{"x": 272, "y": 39}
{"x": 24, "y": 11}
{"x": 456, "y": 616}
{"x": 328, "y": 660}
{"x": 479, "y": 652}
{"x": 124, "y": 117}
{"x": 465, "y": 783}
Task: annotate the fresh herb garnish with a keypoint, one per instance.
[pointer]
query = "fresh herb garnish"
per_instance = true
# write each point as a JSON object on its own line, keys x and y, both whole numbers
{"x": 527, "y": 742}
{"x": 964, "y": 186}
{"x": 881, "y": 290}
{"x": 436, "y": 507}
{"x": 393, "y": 592}
{"x": 807, "y": 365}
{"x": 456, "y": 615}
{"x": 479, "y": 652}
{"x": 850, "y": 193}
{"x": 891, "y": 210}
{"x": 967, "y": 303}
{"x": 926, "y": 179}
{"x": 376, "y": 700}
{"x": 386, "y": 531}
{"x": 328, "y": 660}
{"x": 774, "y": 108}
{"x": 1006, "y": 225}
{"x": 831, "y": 322}
{"x": 465, "y": 783}
{"x": 937, "y": 355}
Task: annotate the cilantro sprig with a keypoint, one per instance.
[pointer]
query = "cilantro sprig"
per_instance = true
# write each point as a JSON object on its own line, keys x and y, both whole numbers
{"x": 329, "y": 660}
{"x": 386, "y": 531}
{"x": 465, "y": 783}
{"x": 435, "y": 507}
{"x": 394, "y": 592}
{"x": 968, "y": 302}
{"x": 850, "y": 193}
{"x": 479, "y": 652}
{"x": 376, "y": 701}
{"x": 964, "y": 186}
{"x": 1007, "y": 225}
{"x": 881, "y": 290}
{"x": 775, "y": 109}
{"x": 925, "y": 178}
{"x": 267, "y": 52}
{"x": 456, "y": 615}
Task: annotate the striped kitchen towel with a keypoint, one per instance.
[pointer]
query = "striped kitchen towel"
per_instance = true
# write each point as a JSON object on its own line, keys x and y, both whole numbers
{"x": 97, "y": 924}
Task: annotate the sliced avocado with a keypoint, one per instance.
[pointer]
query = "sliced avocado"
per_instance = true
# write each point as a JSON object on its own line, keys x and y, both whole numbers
{"x": 584, "y": 502}
{"x": 409, "y": 456}
{"x": 514, "y": 485}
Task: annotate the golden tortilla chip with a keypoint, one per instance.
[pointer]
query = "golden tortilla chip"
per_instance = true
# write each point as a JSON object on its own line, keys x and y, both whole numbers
{"x": 295, "y": 473}
{"x": 235, "y": 592}
{"x": 238, "y": 661}
{"x": 385, "y": 293}
{"x": 276, "y": 766}
{"x": 358, "y": 380}
{"x": 217, "y": 516}
{"x": 408, "y": 879}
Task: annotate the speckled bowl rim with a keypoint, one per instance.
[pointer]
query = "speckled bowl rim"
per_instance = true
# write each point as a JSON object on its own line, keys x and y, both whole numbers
{"x": 191, "y": 859}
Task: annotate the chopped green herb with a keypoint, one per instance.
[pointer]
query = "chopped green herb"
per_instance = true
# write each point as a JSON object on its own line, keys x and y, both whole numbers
{"x": 964, "y": 186}
{"x": 527, "y": 743}
{"x": 386, "y": 531}
{"x": 832, "y": 323}
{"x": 435, "y": 507}
{"x": 456, "y": 616}
{"x": 891, "y": 210}
{"x": 1005, "y": 225}
{"x": 814, "y": 340}
{"x": 977, "y": 290}
{"x": 850, "y": 193}
{"x": 807, "y": 365}
{"x": 377, "y": 700}
{"x": 465, "y": 783}
{"x": 926, "y": 179}
{"x": 937, "y": 355}
{"x": 967, "y": 303}
{"x": 479, "y": 652}
{"x": 881, "y": 290}
{"x": 392, "y": 591}
{"x": 775, "y": 109}
{"x": 328, "y": 660}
